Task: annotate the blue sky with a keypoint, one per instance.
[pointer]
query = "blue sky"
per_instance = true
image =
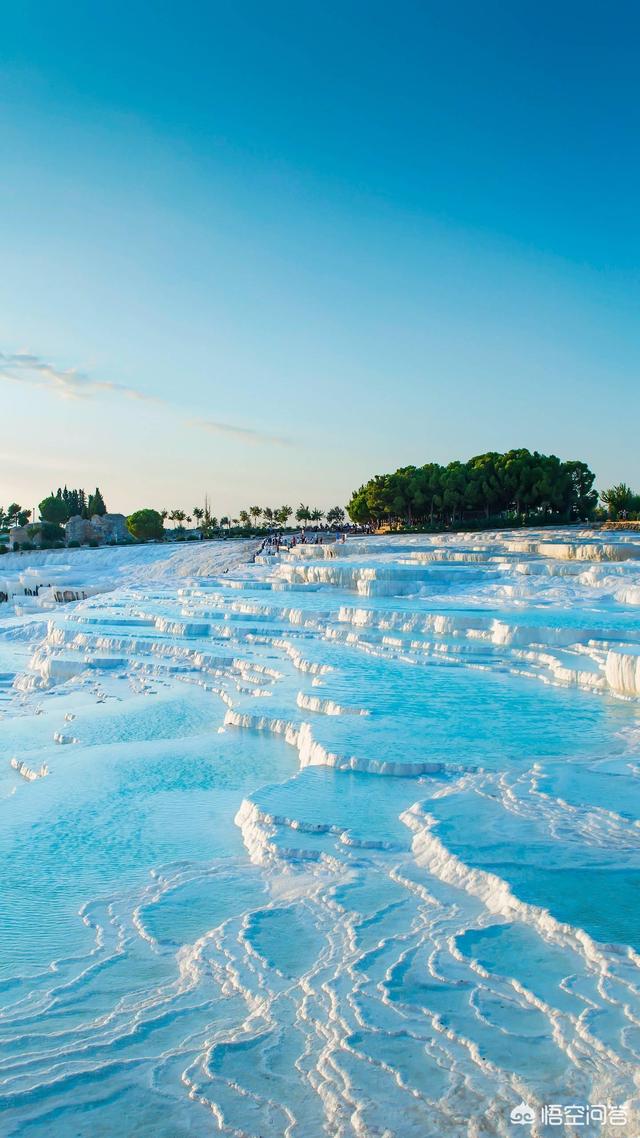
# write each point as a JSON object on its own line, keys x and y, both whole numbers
{"x": 264, "y": 251}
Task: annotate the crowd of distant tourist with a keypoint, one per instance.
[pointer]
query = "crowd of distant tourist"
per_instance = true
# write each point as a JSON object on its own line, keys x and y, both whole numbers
{"x": 277, "y": 541}
{"x": 26, "y": 592}
{"x": 62, "y": 596}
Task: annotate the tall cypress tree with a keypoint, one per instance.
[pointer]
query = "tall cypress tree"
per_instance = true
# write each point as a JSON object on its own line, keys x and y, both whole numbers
{"x": 96, "y": 504}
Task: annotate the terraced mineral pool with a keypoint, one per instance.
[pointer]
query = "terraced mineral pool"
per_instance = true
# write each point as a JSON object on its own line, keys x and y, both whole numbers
{"x": 339, "y": 842}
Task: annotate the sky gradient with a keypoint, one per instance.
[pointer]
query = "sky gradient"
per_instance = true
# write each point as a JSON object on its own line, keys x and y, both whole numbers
{"x": 264, "y": 251}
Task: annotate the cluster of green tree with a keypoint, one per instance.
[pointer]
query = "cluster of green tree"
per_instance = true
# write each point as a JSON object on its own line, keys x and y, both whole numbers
{"x": 51, "y": 535}
{"x": 621, "y": 502}
{"x": 202, "y": 516}
{"x": 256, "y": 517}
{"x": 14, "y": 515}
{"x": 489, "y": 488}
{"x": 267, "y": 516}
{"x": 515, "y": 485}
{"x": 148, "y": 525}
{"x": 65, "y": 504}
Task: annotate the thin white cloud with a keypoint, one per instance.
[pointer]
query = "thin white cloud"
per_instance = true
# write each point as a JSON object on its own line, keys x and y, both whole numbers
{"x": 70, "y": 383}
{"x": 246, "y": 434}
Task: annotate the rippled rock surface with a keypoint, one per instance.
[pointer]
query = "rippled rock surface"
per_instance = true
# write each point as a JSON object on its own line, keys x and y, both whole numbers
{"x": 344, "y": 841}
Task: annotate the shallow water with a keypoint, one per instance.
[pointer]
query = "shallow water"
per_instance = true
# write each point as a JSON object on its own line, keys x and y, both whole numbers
{"x": 343, "y": 842}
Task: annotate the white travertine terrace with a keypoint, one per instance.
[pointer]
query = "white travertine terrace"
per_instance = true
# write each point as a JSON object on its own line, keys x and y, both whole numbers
{"x": 342, "y": 841}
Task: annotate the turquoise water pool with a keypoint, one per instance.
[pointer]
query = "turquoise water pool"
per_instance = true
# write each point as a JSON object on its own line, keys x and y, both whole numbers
{"x": 344, "y": 842}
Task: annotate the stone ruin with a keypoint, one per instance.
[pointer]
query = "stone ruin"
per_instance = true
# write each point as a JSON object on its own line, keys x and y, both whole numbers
{"x": 111, "y": 527}
{"x": 81, "y": 530}
{"x": 102, "y": 528}
{"x": 21, "y": 535}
